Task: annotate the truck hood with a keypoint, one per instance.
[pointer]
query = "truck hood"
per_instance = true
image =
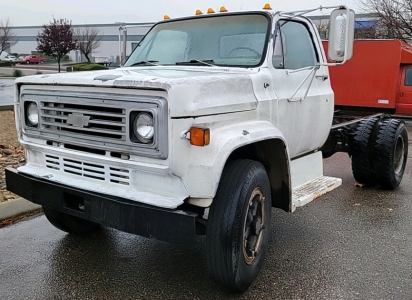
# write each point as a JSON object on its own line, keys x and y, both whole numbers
{"x": 192, "y": 91}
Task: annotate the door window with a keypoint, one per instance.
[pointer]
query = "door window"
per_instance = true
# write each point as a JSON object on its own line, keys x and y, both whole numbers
{"x": 294, "y": 48}
{"x": 408, "y": 77}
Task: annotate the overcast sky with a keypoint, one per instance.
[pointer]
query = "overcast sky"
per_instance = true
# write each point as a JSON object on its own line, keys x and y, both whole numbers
{"x": 39, "y": 12}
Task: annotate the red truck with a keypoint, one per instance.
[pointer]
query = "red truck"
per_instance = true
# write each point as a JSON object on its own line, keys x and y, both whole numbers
{"x": 33, "y": 59}
{"x": 379, "y": 76}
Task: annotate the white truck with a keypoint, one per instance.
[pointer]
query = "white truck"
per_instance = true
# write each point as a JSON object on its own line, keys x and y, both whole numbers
{"x": 213, "y": 120}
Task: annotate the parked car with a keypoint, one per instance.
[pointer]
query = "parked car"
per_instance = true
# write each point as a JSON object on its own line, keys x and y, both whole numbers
{"x": 33, "y": 59}
{"x": 102, "y": 60}
{"x": 10, "y": 58}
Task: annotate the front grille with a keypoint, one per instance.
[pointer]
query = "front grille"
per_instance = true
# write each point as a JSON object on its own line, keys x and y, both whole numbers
{"x": 89, "y": 170}
{"x": 95, "y": 120}
{"x": 103, "y": 122}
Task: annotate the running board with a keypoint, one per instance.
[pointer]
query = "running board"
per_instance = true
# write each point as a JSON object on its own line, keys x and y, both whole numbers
{"x": 312, "y": 190}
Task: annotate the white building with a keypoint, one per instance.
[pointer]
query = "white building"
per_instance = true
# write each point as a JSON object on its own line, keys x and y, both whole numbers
{"x": 109, "y": 33}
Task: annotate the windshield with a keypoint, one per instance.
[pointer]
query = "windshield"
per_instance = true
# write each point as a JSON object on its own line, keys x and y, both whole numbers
{"x": 226, "y": 40}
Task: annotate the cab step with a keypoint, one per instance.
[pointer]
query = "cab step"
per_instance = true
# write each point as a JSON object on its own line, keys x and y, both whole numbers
{"x": 313, "y": 189}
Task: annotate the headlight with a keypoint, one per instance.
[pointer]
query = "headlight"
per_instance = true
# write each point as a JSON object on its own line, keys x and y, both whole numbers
{"x": 32, "y": 114}
{"x": 143, "y": 127}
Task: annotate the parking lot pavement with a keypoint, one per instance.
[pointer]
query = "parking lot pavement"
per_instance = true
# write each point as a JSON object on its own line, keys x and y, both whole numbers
{"x": 352, "y": 243}
{"x": 6, "y": 92}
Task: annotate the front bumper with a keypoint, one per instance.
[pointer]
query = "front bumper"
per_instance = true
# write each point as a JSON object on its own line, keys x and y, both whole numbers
{"x": 169, "y": 225}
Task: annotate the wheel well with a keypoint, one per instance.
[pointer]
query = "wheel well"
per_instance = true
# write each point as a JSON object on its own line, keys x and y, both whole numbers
{"x": 272, "y": 154}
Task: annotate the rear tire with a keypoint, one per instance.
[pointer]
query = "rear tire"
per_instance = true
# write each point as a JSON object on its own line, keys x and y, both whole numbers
{"x": 362, "y": 151}
{"x": 238, "y": 228}
{"x": 68, "y": 223}
{"x": 391, "y": 153}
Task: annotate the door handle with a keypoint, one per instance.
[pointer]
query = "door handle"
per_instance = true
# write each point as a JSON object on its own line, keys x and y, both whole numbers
{"x": 323, "y": 77}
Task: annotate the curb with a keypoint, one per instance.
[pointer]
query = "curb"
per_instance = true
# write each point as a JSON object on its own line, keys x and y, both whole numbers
{"x": 6, "y": 107}
{"x": 16, "y": 207}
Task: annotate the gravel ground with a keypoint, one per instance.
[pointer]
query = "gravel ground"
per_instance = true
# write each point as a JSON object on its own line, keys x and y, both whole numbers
{"x": 11, "y": 153}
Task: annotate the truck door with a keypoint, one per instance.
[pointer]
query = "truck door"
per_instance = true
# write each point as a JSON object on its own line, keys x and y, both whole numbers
{"x": 404, "y": 104}
{"x": 305, "y": 118}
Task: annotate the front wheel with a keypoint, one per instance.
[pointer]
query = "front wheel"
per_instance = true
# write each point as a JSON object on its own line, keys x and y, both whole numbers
{"x": 27, "y": 62}
{"x": 238, "y": 227}
{"x": 69, "y": 223}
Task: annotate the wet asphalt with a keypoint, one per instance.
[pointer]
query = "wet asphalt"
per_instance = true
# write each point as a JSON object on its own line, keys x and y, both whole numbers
{"x": 6, "y": 91}
{"x": 353, "y": 243}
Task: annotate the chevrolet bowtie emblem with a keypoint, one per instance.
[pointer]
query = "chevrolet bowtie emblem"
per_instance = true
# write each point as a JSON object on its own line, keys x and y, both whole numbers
{"x": 78, "y": 120}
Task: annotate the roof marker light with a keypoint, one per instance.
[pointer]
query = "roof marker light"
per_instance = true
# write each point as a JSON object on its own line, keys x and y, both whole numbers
{"x": 166, "y": 17}
{"x": 198, "y": 12}
{"x": 267, "y": 6}
{"x": 210, "y": 10}
{"x": 223, "y": 9}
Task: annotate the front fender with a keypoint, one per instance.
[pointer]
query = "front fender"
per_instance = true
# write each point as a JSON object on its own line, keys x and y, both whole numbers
{"x": 204, "y": 165}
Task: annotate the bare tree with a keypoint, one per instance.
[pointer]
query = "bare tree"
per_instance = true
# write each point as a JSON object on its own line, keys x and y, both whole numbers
{"x": 323, "y": 28}
{"x": 88, "y": 39}
{"x": 395, "y": 17}
{"x": 7, "y": 37}
{"x": 364, "y": 28}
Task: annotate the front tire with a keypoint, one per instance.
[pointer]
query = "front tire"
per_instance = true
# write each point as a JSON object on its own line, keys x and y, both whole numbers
{"x": 238, "y": 227}
{"x": 69, "y": 223}
{"x": 391, "y": 153}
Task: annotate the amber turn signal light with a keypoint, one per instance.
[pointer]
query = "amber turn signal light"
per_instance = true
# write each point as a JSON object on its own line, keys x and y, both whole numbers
{"x": 267, "y": 6}
{"x": 199, "y": 136}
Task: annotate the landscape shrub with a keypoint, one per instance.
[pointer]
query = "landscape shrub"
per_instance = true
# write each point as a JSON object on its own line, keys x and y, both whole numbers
{"x": 17, "y": 73}
{"x": 5, "y": 63}
{"x": 85, "y": 67}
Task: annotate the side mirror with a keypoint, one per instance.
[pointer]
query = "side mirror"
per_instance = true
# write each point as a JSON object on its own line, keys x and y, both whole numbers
{"x": 341, "y": 35}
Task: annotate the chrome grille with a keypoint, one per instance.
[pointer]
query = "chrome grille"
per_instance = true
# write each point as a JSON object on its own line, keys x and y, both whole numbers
{"x": 100, "y": 121}
{"x": 91, "y": 119}
{"x": 89, "y": 170}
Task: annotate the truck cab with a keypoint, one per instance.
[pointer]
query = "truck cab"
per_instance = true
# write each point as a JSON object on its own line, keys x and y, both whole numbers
{"x": 213, "y": 120}
{"x": 404, "y": 105}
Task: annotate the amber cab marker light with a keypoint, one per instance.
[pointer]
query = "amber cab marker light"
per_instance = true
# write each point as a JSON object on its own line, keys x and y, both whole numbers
{"x": 223, "y": 9}
{"x": 199, "y": 12}
{"x": 210, "y": 10}
{"x": 267, "y": 6}
{"x": 166, "y": 17}
{"x": 199, "y": 136}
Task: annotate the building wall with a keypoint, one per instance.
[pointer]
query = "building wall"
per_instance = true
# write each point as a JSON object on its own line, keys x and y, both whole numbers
{"x": 109, "y": 33}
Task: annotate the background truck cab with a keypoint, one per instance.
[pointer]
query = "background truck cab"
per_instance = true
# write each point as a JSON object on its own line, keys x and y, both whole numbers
{"x": 378, "y": 77}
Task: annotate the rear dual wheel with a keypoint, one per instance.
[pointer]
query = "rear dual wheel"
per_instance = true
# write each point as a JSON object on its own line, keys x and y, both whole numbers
{"x": 238, "y": 228}
{"x": 390, "y": 153}
{"x": 362, "y": 151}
{"x": 380, "y": 152}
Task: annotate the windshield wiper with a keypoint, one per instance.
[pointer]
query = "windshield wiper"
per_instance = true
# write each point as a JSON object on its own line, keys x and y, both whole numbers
{"x": 145, "y": 62}
{"x": 206, "y": 62}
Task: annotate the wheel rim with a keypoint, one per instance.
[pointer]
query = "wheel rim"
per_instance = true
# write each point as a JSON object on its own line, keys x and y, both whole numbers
{"x": 253, "y": 230}
{"x": 398, "y": 156}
